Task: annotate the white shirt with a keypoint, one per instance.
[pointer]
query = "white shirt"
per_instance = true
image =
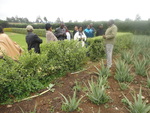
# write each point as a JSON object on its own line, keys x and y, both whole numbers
{"x": 80, "y": 36}
{"x": 68, "y": 35}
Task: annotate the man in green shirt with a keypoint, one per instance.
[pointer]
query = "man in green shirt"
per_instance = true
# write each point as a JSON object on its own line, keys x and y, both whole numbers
{"x": 109, "y": 37}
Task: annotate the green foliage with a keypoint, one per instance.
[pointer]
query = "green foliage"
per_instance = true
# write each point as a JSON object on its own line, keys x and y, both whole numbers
{"x": 68, "y": 55}
{"x": 96, "y": 48}
{"x": 96, "y": 92}
{"x": 140, "y": 66}
{"x": 136, "y": 27}
{"x": 123, "y": 41}
{"x": 122, "y": 72}
{"x": 138, "y": 106}
{"x": 35, "y": 71}
{"x": 123, "y": 86}
{"x": 140, "y": 46}
{"x": 127, "y": 56}
{"x": 124, "y": 101}
{"x": 103, "y": 71}
{"x": 70, "y": 104}
{"x": 4, "y": 24}
{"x": 148, "y": 81}
{"x": 77, "y": 86}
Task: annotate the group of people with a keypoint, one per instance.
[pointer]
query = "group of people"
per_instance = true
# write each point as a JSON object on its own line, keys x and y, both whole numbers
{"x": 8, "y": 47}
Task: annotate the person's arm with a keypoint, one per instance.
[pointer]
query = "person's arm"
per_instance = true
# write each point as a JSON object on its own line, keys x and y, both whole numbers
{"x": 112, "y": 34}
{"x": 37, "y": 39}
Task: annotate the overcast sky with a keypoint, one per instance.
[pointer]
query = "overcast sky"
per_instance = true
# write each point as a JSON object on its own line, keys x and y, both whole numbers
{"x": 80, "y": 10}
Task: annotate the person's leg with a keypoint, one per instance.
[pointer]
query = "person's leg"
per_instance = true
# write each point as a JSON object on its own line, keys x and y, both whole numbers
{"x": 109, "y": 50}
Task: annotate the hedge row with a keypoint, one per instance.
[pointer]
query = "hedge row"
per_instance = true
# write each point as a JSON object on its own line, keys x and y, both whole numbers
{"x": 33, "y": 71}
{"x": 136, "y": 27}
{"x": 39, "y": 32}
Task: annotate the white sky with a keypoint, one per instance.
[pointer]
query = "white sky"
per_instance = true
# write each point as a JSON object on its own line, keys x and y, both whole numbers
{"x": 80, "y": 10}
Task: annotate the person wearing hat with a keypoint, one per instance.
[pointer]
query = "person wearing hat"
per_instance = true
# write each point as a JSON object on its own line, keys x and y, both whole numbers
{"x": 32, "y": 40}
{"x": 100, "y": 31}
{"x": 49, "y": 34}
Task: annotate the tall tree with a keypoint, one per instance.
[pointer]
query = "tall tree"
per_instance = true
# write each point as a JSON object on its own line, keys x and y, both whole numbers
{"x": 58, "y": 20}
{"x": 45, "y": 19}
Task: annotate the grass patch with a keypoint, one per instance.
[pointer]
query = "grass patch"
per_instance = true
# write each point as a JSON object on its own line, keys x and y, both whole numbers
{"x": 20, "y": 39}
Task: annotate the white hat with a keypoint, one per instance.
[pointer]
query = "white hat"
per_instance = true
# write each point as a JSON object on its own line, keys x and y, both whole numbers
{"x": 29, "y": 27}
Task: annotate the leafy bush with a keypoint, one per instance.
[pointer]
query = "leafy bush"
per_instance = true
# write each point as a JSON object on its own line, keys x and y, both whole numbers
{"x": 122, "y": 72}
{"x": 70, "y": 104}
{"x": 35, "y": 71}
{"x": 95, "y": 48}
{"x": 138, "y": 106}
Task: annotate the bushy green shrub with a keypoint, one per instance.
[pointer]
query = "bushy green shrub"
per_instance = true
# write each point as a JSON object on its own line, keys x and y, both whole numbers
{"x": 95, "y": 48}
{"x": 34, "y": 71}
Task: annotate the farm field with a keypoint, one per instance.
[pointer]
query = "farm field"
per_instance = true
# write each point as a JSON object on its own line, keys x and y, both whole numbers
{"x": 116, "y": 88}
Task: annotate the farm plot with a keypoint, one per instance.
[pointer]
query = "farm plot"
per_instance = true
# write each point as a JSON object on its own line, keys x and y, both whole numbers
{"x": 100, "y": 90}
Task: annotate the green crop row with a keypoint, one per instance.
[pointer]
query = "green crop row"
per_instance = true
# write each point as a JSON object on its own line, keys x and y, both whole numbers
{"x": 39, "y": 32}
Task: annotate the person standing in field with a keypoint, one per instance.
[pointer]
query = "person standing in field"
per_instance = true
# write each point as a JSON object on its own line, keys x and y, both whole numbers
{"x": 100, "y": 31}
{"x": 80, "y": 36}
{"x": 49, "y": 34}
{"x": 60, "y": 32}
{"x": 93, "y": 29}
{"x": 32, "y": 40}
{"x": 75, "y": 30}
{"x": 88, "y": 32}
{"x": 8, "y": 47}
{"x": 109, "y": 38}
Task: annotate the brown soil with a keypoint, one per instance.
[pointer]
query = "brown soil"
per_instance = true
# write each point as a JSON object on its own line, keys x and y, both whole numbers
{"x": 51, "y": 102}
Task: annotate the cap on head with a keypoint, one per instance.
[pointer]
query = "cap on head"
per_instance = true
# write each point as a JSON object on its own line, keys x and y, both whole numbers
{"x": 29, "y": 28}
